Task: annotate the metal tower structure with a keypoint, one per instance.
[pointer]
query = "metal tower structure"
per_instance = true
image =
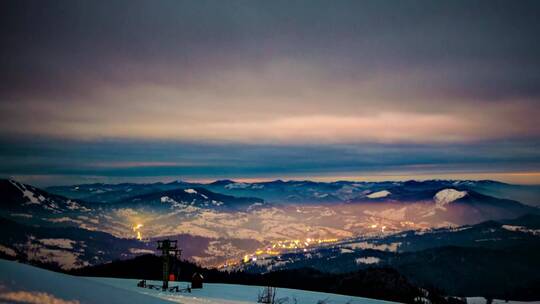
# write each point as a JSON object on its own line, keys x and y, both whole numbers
{"x": 169, "y": 248}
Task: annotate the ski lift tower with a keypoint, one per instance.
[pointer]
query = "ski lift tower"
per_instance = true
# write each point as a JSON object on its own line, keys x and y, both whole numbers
{"x": 169, "y": 248}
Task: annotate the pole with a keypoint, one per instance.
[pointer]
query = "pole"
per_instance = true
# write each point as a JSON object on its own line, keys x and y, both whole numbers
{"x": 167, "y": 246}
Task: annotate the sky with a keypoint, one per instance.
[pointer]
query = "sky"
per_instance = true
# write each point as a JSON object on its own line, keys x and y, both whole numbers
{"x": 114, "y": 91}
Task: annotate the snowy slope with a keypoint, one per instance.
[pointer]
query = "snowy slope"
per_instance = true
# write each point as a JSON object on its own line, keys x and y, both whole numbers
{"x": 26, "y": 284}
{"x": 480, "y": 300}
{"x": 446, "y": 196}
{"x": 20, "y": 283}
{"x": 231, "y": 293}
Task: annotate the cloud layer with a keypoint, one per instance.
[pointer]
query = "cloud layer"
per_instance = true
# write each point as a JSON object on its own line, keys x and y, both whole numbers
{"x": 279, "y": 73}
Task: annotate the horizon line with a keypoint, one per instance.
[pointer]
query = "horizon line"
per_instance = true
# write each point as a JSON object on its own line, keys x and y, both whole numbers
{"x": 516, "y": 178}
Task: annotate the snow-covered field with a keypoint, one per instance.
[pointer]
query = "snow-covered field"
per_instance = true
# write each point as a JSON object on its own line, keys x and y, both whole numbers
{"x": 20, "y": 283}
{"x": 480, "y": 300}
{"x": 230, "y": 293}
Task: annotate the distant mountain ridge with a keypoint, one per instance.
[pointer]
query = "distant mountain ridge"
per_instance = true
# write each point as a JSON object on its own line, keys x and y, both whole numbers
{"x": 431, "y": 200}
{"x": 18, "y": 197}
{"x": 279, "y": 191}
{"x": 196, "y": 196}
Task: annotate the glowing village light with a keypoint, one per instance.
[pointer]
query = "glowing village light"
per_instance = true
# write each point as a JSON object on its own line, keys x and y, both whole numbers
{"x": 136, "y": 229}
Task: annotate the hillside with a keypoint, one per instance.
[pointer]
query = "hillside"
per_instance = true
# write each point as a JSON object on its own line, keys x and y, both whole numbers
{"x": 380, "y": 283}
{"x": 494, "y": 258}
{"x": 26, "y": 284}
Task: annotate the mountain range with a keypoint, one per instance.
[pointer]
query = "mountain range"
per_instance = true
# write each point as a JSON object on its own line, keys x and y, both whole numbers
{"x": 226, "y": 220}
{"x": 279, "y": 191}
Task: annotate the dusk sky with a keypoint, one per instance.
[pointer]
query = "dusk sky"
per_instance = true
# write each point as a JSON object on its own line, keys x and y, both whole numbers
{"x": 255, "y": 90}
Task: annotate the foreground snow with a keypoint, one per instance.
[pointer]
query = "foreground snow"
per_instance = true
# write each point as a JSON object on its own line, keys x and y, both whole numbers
{"x": 21, "y": 283}
{"x": 480, "y": 300}
{"x": 230, "y": 293}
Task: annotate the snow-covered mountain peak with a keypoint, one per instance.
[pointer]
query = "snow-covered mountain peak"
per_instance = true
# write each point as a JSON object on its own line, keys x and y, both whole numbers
{"x": 446, "y": 196}
{"x": 379, "y": 194}
{"x": 29, "y": 195}
{"x": 235, "y": 185}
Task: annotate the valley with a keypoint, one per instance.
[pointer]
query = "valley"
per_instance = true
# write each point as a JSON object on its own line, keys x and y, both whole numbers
{"x": 268, "y": 227}
{"x": 225, "y": 222}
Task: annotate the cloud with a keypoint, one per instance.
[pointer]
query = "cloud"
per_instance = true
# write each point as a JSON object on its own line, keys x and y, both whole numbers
{"x": 48, "y": 161}
{"x": 213, "y": 71}
{"x": 250, "y": 88}
{"x": 328, "y": 116}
